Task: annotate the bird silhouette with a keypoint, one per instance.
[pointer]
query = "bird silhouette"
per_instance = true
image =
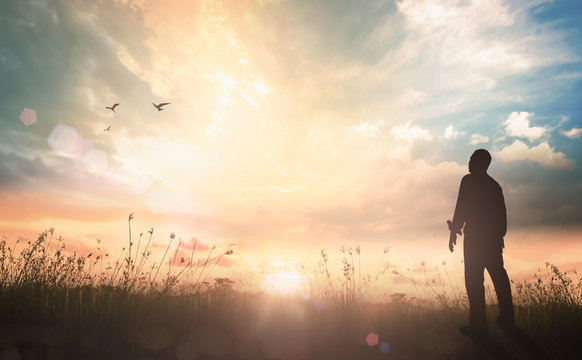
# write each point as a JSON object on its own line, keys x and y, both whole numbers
{"x": 112, "y": 108}
{"x": 159, "y": 106}
{"x": 108, "y": 129}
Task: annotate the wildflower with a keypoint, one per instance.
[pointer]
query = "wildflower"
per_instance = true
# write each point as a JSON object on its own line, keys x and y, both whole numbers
{"x": 229, "y": 252}
{"x": 172, "y": 236}
{"x": 151, "y": 231}
{"x": 130, "y": 217}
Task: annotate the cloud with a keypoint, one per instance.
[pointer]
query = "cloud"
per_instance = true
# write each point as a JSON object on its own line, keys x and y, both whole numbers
{"x": 462, "y": 51}
{"x": 467, "y": 33}
{"x": 452, "y": 133}
{"x": 369, "y": 130}
{"x": 419, "y": 190}
{"x": 542, "y": 154}
{"x": 33, "y": 207}
{"x": 518, "y": 124}
{"x": 410, "y": 133}
{"x": 411, "y": 97}
{"x": 478, "y": 139}
{"x": 573, "y": 133}
{"x": 20, "y": 172}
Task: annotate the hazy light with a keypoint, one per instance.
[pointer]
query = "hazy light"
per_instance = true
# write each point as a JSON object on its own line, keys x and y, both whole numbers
{"x": 261, "y": 88}
{"x": 294, "y": 188}
{"x": 368, "y": 130}
{"x": 250, "y": 100}
{"x": 224, "y": 100}
{"x": 96, "y": 160}
{"x": 372, "y": 339}
{"x": 28, "y": 117}
{"x": 283, "y": 282}
{"x": 213, "y": 130}
{"x": 159, "y": 200}
{"x": 228, "y": 81}
{"x": 66, "y": 141}
{"x": 384, "y": 347}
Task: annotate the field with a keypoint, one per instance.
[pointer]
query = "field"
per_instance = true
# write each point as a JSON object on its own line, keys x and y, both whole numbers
{"x": 55, "y": 305}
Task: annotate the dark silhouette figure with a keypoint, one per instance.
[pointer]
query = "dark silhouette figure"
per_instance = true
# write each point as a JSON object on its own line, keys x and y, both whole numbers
{"x": 481, "y": 213}
{"x": 159, "y": 106}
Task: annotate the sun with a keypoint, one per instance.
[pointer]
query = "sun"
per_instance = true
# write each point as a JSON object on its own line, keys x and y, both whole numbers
{"x": 285, "y": 282}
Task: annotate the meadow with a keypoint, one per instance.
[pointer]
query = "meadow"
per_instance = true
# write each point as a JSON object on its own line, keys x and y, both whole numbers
{"x": 58, "y": 305}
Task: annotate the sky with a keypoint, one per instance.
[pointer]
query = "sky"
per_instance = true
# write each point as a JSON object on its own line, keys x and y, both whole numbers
{"x": 293, "y": 126}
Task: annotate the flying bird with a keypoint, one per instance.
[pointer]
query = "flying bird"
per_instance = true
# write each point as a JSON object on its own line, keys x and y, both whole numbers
{"x": 159, "y": 106}
{"x": 112, "y": 108}
{"x": 108, "y": 129}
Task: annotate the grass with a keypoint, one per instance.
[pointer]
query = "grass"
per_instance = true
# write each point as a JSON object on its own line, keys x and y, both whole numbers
{"x": 57, "y": 305}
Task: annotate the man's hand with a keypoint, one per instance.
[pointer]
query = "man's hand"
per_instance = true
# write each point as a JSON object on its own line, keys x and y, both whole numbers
{"x": 453, "y": 236}
{"x": 452, "y": 241}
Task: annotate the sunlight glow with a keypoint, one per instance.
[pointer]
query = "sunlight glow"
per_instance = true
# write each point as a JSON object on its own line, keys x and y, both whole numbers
{"x": 228, "y": 81}
{"x": 291, "y": 139}
{"x": 282, "y": 282}
{"x": 261, "y": 88}
{"x": 250, "y": 100}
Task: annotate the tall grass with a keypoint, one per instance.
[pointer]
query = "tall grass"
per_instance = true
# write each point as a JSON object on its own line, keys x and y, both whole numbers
{"x": 42, "y": 284}
{"x": 549, "y": 307}
{"x": 39, "y": 265}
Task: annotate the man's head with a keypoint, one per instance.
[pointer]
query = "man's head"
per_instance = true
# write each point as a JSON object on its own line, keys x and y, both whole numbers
{"x": 479, "y": 161}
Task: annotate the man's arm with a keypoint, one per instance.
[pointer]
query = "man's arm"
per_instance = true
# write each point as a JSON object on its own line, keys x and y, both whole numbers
{"x": 460, "y": 214}
{"x": 452, "y": 236}
{"x": 502, "y": 217}
{"x": 458, "y": 222}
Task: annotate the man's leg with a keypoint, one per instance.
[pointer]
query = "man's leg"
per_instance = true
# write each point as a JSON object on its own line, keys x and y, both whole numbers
{"x": 502, "y": 288}
{"x": 474, "y": 268}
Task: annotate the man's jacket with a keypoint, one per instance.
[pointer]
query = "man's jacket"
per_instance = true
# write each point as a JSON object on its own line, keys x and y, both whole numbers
{"x": 481, "y": 211}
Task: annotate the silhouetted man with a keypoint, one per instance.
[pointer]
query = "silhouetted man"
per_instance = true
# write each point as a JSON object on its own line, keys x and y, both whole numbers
{"x": 481, "y": 211}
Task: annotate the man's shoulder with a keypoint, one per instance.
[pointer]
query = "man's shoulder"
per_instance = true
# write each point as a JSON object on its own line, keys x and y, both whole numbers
{"x": 479, "y": 180}
{"x": 493, "y": 181}
{"x": 470, "y": 178}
